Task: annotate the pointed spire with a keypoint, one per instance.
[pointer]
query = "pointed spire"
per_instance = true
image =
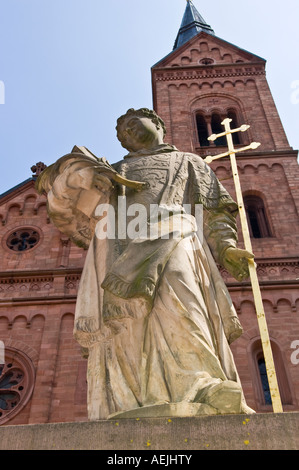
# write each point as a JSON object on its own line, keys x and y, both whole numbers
{"x": 192, "y": 24}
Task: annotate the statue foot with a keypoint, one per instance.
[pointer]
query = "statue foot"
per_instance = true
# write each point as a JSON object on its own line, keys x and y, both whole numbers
{"x": 226, "y": 397}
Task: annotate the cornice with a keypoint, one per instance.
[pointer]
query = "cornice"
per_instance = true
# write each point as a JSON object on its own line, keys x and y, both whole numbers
{"x": 270, "y": 285}
{"x": 39, "y": 274}
{"x": 290, "y": 261}
{"x": 281, "y": 279}
{"x": 190, "y": 72}
{"x": 39, "y": 287}
{"x": 25, "y": 301}
{"x": 270, "y": 154}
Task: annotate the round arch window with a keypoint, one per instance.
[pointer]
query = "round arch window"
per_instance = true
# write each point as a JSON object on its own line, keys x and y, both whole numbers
{"x": 16, "y": 383}
{"x": 22, "y": 239}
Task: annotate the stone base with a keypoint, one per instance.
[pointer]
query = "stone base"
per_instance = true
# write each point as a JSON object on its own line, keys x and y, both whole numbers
{"x": 167, "y": 410}
{"x": 180, "y": 435}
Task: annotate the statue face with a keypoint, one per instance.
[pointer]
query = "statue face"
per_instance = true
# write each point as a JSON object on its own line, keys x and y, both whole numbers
{"x": 140, "y": 132}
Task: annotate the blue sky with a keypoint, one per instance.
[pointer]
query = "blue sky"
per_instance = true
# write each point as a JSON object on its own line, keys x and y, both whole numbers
{"x": 71, "y": 67}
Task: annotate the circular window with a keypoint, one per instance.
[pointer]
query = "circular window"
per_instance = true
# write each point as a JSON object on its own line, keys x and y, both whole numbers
{"x": 16, "y": 383}
{"x": 206, "y": 61}
{"x": 22, "y": 239}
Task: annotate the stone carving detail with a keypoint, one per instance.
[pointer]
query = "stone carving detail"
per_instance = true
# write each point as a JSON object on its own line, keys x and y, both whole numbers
{"x": 72, "y": 283}
{"x": 24, "y": 285}
{"x": 38, "y": 168}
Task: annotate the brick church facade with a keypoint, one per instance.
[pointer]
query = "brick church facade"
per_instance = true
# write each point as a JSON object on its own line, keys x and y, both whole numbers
{"x": 202, "y": 81}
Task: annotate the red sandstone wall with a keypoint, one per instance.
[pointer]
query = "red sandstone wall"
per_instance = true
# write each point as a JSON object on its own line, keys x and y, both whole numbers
{"x": 37, "y": 302}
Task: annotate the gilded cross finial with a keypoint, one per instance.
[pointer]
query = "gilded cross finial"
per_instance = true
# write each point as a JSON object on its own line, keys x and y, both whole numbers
{"x": 261, "y": 318}
{"x": 231, "y": 149}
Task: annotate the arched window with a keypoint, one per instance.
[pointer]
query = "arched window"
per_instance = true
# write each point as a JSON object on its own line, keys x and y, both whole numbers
{"x": 261, "y": 383}
{"x": 264, "y": 380}
{"x": 202, "y": 130}
{"x": 231, "y": 114}
{"x": 207, "y": 124}
{"x": 257, "y": 219}
{"x": 217, "y": 128}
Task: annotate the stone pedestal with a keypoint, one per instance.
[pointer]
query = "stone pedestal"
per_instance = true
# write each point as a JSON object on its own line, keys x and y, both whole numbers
{"x": 180, "y": 435}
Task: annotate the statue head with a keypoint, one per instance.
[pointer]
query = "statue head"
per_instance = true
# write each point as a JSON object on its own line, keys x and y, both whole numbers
{"x": 141, "y": 128}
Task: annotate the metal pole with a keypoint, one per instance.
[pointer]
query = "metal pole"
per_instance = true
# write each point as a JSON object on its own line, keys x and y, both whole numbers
{"x": 261, "y": 318}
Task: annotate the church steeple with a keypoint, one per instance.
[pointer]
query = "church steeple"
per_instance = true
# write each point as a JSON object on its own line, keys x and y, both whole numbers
{"x": 192, "y": 24}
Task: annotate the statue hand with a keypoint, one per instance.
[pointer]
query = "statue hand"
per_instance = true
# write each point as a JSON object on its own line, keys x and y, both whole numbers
{"x": 88, "y": 178}
{"x": 101, "y": 182}
{"x": 235, "y": 260}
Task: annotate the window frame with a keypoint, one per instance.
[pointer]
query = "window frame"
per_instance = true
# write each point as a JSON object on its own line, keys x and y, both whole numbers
{"x": 256, "y": 353}
{"x": 208, "y": 117}
{"x": 256, "y": 203}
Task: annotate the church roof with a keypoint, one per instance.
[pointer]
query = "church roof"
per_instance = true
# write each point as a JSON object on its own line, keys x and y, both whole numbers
{"x": 192, "y": 24}
{"x": 12, "y": 190}
{"x": 36, "y": 170}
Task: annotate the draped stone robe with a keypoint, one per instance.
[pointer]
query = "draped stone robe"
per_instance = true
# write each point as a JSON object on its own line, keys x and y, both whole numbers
{"x": 154, "y": 312}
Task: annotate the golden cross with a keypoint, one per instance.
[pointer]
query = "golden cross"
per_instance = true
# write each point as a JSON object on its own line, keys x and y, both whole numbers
{"x": 261, "y": 318}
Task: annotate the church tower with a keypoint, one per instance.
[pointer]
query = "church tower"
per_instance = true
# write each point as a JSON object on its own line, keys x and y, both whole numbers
{"x": 202, "y": 81}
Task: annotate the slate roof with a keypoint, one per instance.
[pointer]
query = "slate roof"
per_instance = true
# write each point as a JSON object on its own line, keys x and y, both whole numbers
{"x": 192, "y": 24}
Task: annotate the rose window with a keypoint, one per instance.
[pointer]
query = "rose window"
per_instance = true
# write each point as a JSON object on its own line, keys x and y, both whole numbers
{"x": 16, "y": 384}
{"x": 10, "y": 387}
{"x": 22, "y": 239}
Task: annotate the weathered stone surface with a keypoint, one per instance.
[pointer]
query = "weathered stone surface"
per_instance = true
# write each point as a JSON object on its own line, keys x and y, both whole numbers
{"x": 231, "y": 432}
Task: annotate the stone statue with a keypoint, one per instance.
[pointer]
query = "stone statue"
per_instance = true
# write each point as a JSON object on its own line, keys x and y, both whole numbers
{"x": 152, "y": 311}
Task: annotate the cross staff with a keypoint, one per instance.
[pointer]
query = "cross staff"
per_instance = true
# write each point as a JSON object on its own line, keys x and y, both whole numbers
{"x": 266, "y": 345}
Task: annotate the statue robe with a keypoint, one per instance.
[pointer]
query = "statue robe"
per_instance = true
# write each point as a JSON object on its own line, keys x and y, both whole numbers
{"x": 154, "y": 312}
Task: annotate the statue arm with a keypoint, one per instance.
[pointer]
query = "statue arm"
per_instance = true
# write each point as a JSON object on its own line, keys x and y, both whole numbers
{"x": 220, "y": 230}
{"x": 219, "y": 221}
